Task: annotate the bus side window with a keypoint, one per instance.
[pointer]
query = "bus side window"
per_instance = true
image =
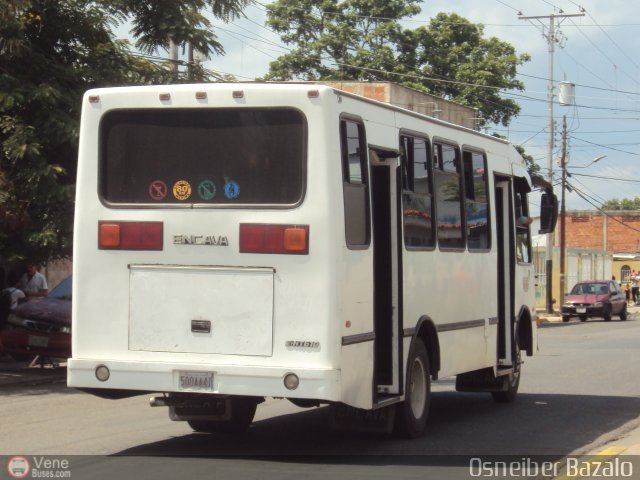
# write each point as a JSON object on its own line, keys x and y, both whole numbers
{"x": 417, "y": 192}
{"x": 522, "y": 221}
{"x": 355, "y": 181}
{"x": 476, "y": 202}
{"x": 449, "y": 204}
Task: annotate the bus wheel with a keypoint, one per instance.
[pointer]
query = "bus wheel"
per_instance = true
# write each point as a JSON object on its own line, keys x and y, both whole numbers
{"x": 511, "y": 382}
{"x": 243, "y": 410}
{"x": 411, "y": 415}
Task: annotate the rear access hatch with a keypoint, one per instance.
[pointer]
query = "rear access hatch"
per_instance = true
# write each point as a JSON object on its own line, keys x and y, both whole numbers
{"x": 193, "y": 309}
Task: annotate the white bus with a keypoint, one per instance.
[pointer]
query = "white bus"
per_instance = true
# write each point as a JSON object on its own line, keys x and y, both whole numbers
{"x": 241, "y": 241}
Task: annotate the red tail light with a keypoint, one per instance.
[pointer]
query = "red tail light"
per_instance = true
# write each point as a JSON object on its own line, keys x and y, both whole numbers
{"x": 287, "y": 239}
{"x": 130, "y": 235}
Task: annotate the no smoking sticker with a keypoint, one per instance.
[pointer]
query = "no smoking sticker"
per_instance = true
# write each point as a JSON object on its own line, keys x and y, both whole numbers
{"x": 158, "y": 190}
{"x": 182, "y": 190}
{"x": 207, "y": 190}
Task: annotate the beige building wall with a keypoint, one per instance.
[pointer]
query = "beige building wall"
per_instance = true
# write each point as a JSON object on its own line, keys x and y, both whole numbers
{"x": 411, "y": 99}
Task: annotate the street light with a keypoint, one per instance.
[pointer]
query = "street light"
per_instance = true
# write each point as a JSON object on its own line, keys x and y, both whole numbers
{"x": 597, "y": 159}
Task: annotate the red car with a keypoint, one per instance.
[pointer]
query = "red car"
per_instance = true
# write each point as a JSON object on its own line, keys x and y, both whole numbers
{"x": 596, "y": 298}
{"x": 40, "y": 326}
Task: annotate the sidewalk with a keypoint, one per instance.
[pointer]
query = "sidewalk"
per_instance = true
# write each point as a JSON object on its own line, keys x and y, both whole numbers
{"x": 13, "y": 373}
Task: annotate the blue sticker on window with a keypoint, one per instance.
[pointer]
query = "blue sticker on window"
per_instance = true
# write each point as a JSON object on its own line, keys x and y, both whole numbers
{"x": 231, "y": 189}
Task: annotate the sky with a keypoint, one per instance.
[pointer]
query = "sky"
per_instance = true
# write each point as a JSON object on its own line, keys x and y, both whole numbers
{"x": 597, "y": 53}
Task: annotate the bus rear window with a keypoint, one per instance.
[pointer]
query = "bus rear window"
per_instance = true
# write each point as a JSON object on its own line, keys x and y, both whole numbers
{"x": 208, "y": 157}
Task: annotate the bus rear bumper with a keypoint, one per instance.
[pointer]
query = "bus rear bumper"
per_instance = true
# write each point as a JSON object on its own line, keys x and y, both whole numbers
{"x": 317, "y": 384}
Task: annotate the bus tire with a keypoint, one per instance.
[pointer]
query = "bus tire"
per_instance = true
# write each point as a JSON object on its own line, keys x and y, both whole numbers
{"x": 243, "y": 409}
{"x": 411, "y": 414}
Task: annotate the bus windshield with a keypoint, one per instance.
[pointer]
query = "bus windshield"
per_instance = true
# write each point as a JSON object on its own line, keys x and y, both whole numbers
{"x": 207, "y": 157}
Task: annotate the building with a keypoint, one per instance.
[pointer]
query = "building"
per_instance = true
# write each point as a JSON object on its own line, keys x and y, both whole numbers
{"x": 580, "y": 264}
{"x": 597, "y": 246}
{"x": 616, "y": 232}
{"x": 411, "y": 99}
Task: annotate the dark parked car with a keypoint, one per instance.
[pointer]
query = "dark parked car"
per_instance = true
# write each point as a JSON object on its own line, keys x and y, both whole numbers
{"x": 596, "y": 298}
{"x": 41, "y": 326}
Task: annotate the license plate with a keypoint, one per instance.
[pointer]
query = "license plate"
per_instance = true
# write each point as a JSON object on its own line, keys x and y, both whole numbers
{"x": 581, "y": 310}
{"x": 37, "y": 341}
{"x": 196, "y": 381}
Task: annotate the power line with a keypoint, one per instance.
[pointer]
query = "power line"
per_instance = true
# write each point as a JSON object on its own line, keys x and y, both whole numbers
{"x": 582, "y": 85}
{"x": 610, "y": 217}
{"x": 607, "y": 35}
{"x": 604, "y": 54}
{"x": 604, "y": 146}
{"x": 617, "y": 179}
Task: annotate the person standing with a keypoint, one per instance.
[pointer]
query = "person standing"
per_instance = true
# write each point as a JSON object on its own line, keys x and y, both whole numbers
{"x": 634, "y": 286}
{"x": 10, "y": 297}
{"x": 33, "y": 282}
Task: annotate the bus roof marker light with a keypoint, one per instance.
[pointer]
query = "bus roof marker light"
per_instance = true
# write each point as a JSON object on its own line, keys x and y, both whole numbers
{"x": 237, "y": 94}
{"x": 201, "y": 95}
{"x": 94, "y": 98}
{"x": 164, "y": 96}
{"x": 313, "y": 93}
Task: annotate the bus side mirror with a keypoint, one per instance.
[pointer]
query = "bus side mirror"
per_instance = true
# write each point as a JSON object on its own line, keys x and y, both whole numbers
{"x": 548, "y": 212}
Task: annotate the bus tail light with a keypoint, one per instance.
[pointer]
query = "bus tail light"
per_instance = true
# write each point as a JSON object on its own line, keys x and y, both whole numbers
{"x": 130, "y": 235}
{"x": 287, "y": 239}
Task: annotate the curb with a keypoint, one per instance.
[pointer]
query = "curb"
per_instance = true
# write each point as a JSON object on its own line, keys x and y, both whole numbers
{"x": 13, "y": 373}
{"x": 12, "y": 380}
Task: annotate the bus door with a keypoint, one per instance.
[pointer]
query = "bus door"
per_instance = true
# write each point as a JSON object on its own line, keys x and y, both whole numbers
{"x": 385, "y": 205}
{"x": 506, "y": 270}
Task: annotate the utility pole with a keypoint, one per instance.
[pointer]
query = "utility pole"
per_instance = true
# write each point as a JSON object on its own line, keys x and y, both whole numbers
{"x": 173, "y": 56}
{"x": 563, "y": 164}
{"x": 552, "y": 38}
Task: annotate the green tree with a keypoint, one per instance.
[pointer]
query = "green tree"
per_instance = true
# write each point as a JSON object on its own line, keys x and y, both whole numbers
{"x": 364, "y": 40}
{"x": 51, "y": 52}
{"x": 333, "y": 39}
{"x": 628, "y": 204}
{"x": 459, "y": 63}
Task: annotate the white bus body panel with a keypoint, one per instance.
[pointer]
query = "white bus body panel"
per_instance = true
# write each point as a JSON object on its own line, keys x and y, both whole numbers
{"x": 131, "y": 308}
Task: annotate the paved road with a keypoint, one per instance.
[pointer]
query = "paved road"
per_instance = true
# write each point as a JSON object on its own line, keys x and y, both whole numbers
{"x": 580, "y": 392}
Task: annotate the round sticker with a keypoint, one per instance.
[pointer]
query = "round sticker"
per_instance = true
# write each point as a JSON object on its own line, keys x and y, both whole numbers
{"x": 207, "y": 190}
{"x": 182, "y": 190}
{"x": 18, "y": 467}
{"x": 158, "y": 190}
{"x": 231, "y": 189}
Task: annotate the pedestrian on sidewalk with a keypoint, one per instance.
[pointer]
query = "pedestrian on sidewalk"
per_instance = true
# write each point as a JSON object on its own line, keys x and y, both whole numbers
{"x": 634, "y": 286}
{"x": 10, "y": 297}
{"x": 33, "y": 282}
